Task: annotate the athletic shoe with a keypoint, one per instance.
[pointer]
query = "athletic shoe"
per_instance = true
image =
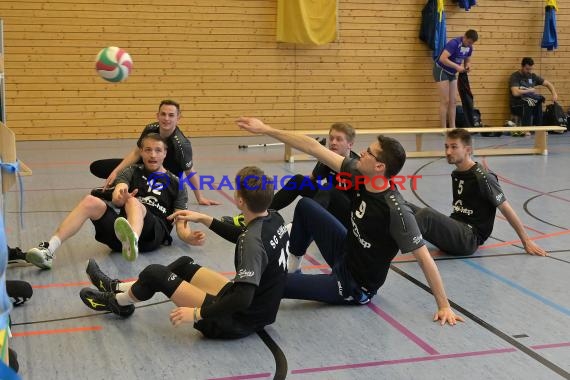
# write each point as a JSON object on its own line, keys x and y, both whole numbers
{"x": 104, "y": 301}
{"x": 106, "y": 194}
{"x": 40, "y": 256}
{"x": 16, "y": 257}
{"x": 238, "y": 220}
{"x": 101, "y": 281}
{"x": 128, "y": 239}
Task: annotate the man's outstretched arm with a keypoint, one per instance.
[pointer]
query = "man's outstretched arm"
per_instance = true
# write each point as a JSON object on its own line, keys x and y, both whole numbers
{"x": 529, "y": 246}
{"x": 444, "y": 312}
{"x": 303, "y": 143}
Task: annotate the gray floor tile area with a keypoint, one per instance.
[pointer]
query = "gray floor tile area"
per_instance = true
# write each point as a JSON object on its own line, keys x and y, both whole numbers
{"x": 517, "y": 307}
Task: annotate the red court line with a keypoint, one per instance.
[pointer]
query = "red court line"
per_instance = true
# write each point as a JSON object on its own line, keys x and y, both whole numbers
{"x": 501, "y": 244}
{"x": 436, "y": 175}
{"x": 482, "y": 247}
{"x": 323, "y": 267}
{"x": 58, "y": 331}
{"x": 423, "y": 358}
{"x": 392, "y": 322}
{"x": 41, "y": 164}
{"x": 552, "y": 345}
{"x": 402, "y": 329}
{"x": 317, "y": 265}
{"x": 511, "y": 182}
{"x": 88, "y": 283}
{"x": 524, "y": 225}
{"x": 225, "y": 195}
{"x": 62, "y": 285}
{"x": 515, "y": 184}
{"x": 402, "y": 361}
{"x": 51, "y": 189}
{"x": 408, "y": 257}
{"x": 71, "y": 284}
{"x": 243, "y": 377}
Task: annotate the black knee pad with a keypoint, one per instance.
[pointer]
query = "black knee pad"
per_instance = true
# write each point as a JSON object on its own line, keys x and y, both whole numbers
{"x": 155, "y": 278}
{"x": 19, "y": 291}
{"x": 180, "y": 262}
{"x": 184, "y": 267}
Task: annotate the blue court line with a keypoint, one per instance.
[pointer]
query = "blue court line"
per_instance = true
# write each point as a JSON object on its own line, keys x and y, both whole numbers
{"x": 518, "y": 287}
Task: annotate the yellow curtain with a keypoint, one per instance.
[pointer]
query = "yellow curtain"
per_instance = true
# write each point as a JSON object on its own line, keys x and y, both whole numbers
{"x": 552, "y": 3}
{"x": 306, "y": 21}
{"x": 440, "y": 8}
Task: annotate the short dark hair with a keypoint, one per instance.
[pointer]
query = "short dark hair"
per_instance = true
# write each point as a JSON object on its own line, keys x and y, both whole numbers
{"x": 392, "y": 155}
{"x": 255, "y": 188}
{"x": 472, "y": 35}
{"x": 527, "y": 61}
{"x": 155, "y": 137}
{"x": 461, "y": 134}
{"x": 345, "y": 128}
{"x": 169, "y": 102}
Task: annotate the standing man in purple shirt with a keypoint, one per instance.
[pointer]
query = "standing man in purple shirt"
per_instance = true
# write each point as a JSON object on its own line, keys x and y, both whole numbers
{"x": 455, "y": 58}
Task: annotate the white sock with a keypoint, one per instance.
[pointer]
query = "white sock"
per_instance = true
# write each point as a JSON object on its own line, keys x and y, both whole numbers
{"x": 54, "y": 244}
{"x": 124, "y": 286}
{"x": 123, "y": 299}
{"x": 294, "y": 263}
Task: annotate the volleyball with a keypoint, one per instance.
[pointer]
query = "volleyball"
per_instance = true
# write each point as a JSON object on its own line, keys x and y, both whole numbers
{"x": 113, "y": 64}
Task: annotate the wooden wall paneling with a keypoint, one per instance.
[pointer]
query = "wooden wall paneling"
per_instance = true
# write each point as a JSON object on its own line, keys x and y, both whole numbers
{"x": 219, "y": 59}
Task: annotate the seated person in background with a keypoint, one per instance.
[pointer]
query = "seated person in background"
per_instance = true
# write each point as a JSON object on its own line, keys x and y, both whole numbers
{"x": 476, "y": 197}
{"x": 144, "y": 195}
{"x": 178, "y": 158}
{"x": 525, "y": 101}
{"x": 337, "y": 202}
{"x": 217, "y": 307}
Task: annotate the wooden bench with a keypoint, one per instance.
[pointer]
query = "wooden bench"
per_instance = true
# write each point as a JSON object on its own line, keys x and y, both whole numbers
{"x": 540, "y": 140}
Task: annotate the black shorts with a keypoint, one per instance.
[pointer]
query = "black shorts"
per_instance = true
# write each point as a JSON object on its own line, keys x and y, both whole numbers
{"x": 440, "y": 75}
{"x": 225, "y": 327}
{"x": 153, "y": 235}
